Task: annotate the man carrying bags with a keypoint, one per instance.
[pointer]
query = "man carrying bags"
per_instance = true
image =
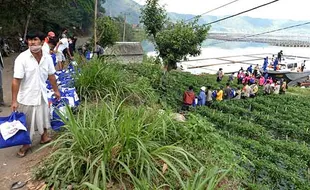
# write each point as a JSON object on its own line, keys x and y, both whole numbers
{"x": 29, "y": 95}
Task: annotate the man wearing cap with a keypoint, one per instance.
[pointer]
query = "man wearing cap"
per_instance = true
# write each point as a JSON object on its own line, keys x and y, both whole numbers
{"x": 62, "y": 45}
{"x": 46, "y": 47}
{"x": 202, "y": 96}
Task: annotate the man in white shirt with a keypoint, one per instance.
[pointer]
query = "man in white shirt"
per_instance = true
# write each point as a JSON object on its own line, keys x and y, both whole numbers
{"x": 29, "y": 94}
{"x": 62, "y": 45}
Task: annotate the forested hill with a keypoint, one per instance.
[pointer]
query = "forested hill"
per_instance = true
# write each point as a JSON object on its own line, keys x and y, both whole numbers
{"x": 46, "y": 15}
{"x": 241, "y": 24}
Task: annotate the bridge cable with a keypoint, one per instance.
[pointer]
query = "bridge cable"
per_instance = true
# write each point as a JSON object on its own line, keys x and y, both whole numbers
{"x": 212, "y": 10}
{"x": 249, "y": 10}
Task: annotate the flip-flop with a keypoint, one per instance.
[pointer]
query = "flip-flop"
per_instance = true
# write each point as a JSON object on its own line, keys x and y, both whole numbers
{"x": 18, "y": 185}
{"x": 19, "y": 155}
{"x": 45, "y": 142}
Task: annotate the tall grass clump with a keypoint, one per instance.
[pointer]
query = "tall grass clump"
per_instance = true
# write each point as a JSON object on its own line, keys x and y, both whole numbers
{"x": 99, "y": 77}
{"x": 109, "y": 143}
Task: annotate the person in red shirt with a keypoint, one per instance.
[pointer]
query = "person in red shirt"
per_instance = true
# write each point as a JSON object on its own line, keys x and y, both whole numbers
{"x": 50, "y": 35}
{"x": 188, "y": 98}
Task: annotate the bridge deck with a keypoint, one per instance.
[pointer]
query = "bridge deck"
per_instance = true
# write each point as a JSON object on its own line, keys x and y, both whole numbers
{"x": 286, "y": 41}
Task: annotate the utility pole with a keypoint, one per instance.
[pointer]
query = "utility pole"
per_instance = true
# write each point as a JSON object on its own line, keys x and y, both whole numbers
{"x": 95, "y": 24}
{"x": 124, "y": 32}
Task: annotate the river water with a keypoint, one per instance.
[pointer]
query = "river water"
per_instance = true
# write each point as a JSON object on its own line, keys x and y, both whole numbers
{"x": 209, "y": 63}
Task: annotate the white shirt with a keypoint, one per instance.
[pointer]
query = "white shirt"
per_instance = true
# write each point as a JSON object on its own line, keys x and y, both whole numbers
{"x": 46, "y": 47}
{"x": 276, "y": 89}
{"x": 32, "y": 87}
{"x": 64, "y": 44}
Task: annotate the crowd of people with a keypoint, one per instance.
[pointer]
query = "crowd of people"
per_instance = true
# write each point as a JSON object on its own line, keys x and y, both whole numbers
{"x": 61, "y": 48}
{"x": 248, "y": 83}
{"x": 46, "y": 54}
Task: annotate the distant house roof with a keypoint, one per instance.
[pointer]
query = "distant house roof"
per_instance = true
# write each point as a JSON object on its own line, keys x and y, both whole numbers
{"x": 125, "y": 49}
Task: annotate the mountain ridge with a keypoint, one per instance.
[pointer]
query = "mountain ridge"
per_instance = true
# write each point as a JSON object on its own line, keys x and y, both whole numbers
{"x": 240, "y": 24}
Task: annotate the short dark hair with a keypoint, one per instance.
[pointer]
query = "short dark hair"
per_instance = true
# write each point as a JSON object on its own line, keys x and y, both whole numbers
{"x": 227, "y": 84}
{"x": 34, "y": 34}
{"x": 190, "y": 87}
{"x": 53, "y": 41}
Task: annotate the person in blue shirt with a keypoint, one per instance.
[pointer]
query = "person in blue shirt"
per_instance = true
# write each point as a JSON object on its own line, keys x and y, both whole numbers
{"x": 250, "y": 69}
{"x": 202, "y": 96}
{"x": 266, "y": 76}
{"x": 265, "y": 64}
{"x": 275, "y": 64}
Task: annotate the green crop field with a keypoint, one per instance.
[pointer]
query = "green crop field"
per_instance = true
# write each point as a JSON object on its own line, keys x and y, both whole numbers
{"x": 123, "y": 135}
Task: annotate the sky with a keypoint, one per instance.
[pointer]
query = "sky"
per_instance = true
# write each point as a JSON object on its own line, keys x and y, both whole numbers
{"x": 283, "y": 9}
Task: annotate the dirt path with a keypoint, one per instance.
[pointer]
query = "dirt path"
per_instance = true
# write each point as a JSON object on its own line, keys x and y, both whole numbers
{"x": 14, "y": 169}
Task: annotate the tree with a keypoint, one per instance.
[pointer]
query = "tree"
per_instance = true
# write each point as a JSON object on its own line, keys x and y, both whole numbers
{"x": 179, "y": 40}
{"x": 173, "y": 41}
{"x": 107, "y": 31}
{"x": 45, "y": 15}
{"x": 154, "y": 17}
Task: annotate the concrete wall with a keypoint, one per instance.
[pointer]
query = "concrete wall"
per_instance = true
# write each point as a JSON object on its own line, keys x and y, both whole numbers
{"x": 128, "y": 58}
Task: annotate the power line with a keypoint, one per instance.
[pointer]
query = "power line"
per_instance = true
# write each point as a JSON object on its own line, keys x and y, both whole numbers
{"x": 225, "y": 18}
{"x": 212, "y": 10}
{"x": 268, "y": 32}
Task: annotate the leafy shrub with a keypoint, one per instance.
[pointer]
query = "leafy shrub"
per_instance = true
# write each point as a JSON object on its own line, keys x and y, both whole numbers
{"x": 101, "y": 76}
{"x": 109, "y": 142}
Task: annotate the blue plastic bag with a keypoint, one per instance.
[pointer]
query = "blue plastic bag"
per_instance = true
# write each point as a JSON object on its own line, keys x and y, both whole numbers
{"x": 72, "y": 96}
{"x": 232, "y": 93}
{"x": 56, "y": 121}
{"x": 88, "y": 55}
{"x": 21, "y": 137}
{"x": 53, "y": 55}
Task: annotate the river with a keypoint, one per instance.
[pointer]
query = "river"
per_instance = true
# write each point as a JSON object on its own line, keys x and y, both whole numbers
{"x": 240, "y": 51}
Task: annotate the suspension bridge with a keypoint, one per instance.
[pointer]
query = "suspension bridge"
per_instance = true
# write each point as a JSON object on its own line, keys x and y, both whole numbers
{"x": 284, "y": 41}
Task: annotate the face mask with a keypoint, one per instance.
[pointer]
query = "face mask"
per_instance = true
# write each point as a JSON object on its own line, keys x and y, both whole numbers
{"x": 35, "y": 49}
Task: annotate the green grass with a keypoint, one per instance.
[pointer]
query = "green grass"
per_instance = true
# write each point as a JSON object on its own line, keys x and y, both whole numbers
{"x": 109, "y": 142}
{"x": 99, "y": 77}
{"x": 299, "y": 91}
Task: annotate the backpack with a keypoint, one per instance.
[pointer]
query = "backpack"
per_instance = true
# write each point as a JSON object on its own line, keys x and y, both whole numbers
{"x": 214, "y": 94}
{"x": 252, "y": 80}
{"x": 232, "y": 93}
